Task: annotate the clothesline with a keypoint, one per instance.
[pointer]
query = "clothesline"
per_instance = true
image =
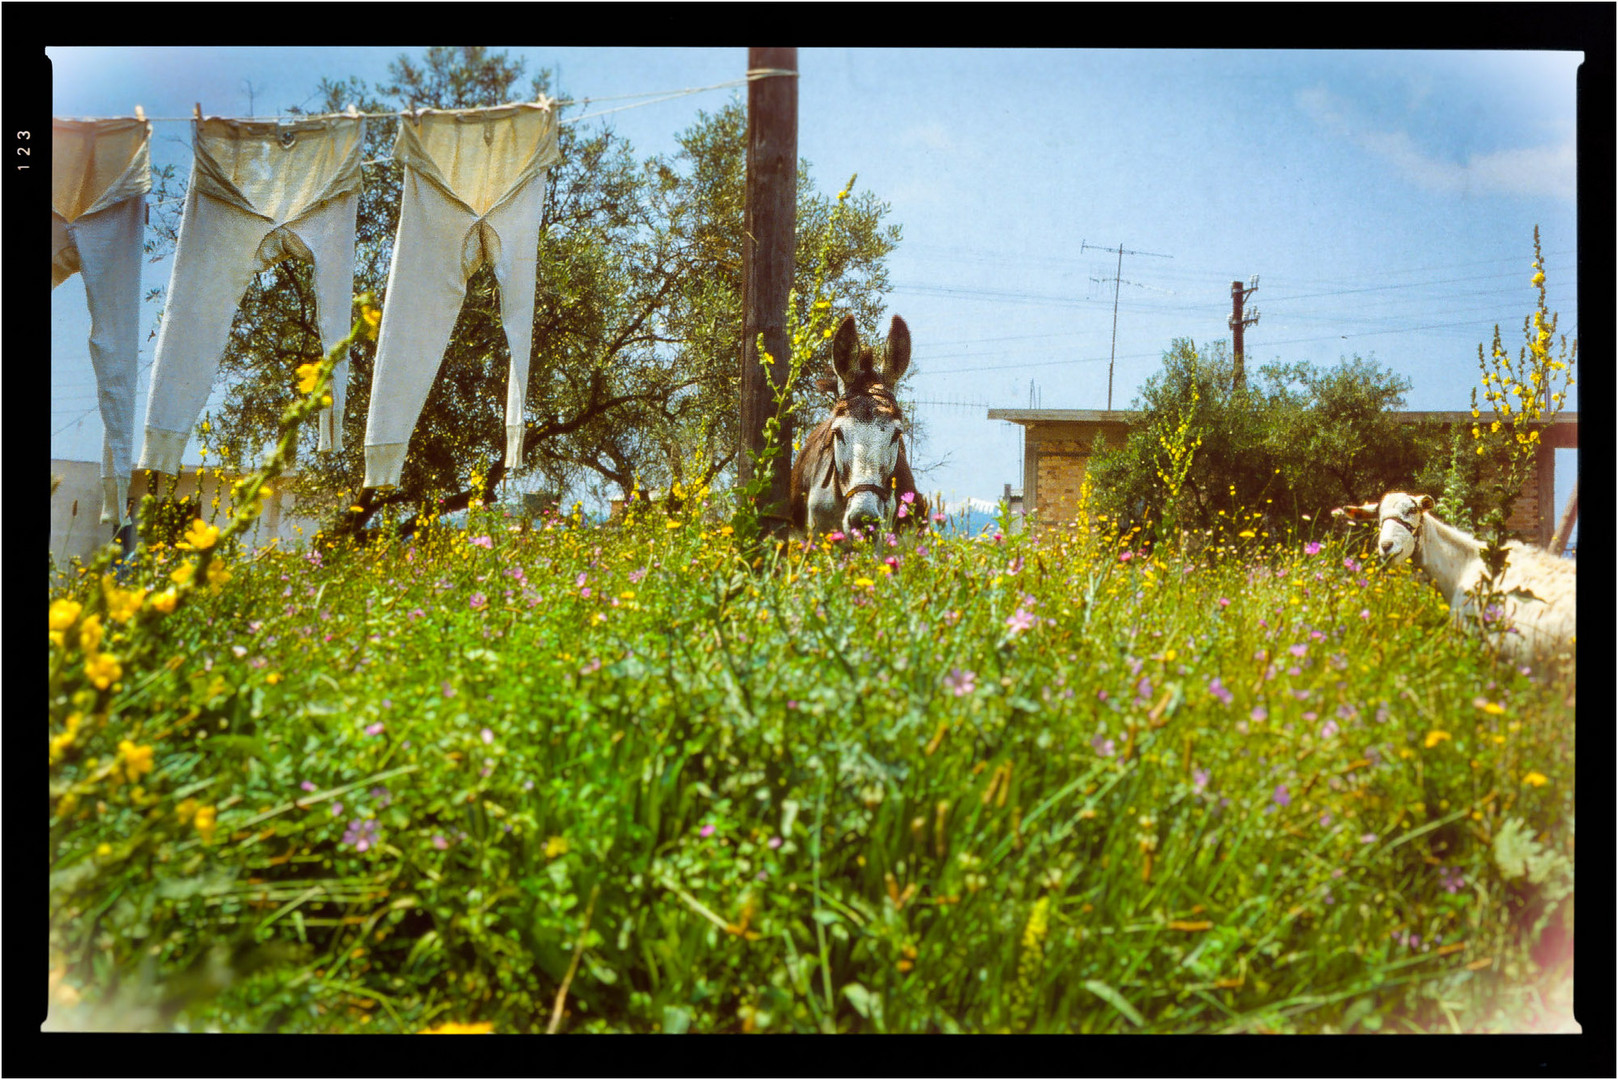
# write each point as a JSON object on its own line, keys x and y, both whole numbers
{"x": 657, "y": 97}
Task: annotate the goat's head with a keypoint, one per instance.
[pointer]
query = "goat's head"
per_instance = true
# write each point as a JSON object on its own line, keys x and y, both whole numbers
{"x": 1398, "y": 516}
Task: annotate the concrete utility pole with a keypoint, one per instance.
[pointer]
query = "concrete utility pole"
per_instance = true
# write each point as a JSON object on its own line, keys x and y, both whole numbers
{"x": 767, "y": 248}
{"x": 1116, "y": 282}
{"x": 1238, "y": 323}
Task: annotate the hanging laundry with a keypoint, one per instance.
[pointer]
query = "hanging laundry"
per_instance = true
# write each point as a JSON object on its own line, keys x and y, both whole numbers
{"x": 101, "y": 171}
{"x": 261, "y": 192}
{"x": 474, "y": 186}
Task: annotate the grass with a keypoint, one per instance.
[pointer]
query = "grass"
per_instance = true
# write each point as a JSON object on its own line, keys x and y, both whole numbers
{"x": 618, "y": 778}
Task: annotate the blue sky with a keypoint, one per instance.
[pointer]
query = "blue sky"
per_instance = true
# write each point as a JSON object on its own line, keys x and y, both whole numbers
{"x": 1386, "y": 201}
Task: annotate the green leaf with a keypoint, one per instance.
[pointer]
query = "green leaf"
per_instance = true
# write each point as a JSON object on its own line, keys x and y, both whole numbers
{"x": 676, "y": 1020}
{"x": 1115, "y": 999}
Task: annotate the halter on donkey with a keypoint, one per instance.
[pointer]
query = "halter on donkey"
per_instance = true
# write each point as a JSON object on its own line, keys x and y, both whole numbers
{"x": 852, "y": 473}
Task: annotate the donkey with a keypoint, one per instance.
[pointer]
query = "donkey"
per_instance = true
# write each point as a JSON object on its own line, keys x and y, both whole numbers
{"x": 1540, "y": 590}
{"x": 852, "y": 473}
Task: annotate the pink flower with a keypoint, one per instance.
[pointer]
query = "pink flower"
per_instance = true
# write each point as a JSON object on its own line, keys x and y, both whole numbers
{"x": 479, "y": 601}
{"x": 1311, "y": 548}
{"x": 960, "y": 682}
{"x": 1020, "y": 620}
{"x": 374, "y": 729}
{"x": 487, "y": 736}
{"x": 482, "y": 542}
{"x": 707, "y": 830}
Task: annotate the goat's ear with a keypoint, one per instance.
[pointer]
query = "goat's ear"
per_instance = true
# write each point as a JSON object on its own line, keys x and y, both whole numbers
{"x": 1425, "y": 502}
{"x": 896, "y": 352}
{"x": 1356, "y": 514}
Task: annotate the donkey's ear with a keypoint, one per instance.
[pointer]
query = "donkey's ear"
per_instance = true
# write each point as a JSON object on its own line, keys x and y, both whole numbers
{"x": 845, "y": 352}
{"x": 896, "y": 352}
{"x": 1356, "y": 514}
{"x": 1425, "y": 502}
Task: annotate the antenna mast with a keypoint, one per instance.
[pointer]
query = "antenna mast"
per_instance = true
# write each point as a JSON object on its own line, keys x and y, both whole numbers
{"x": 1116, "y": 281}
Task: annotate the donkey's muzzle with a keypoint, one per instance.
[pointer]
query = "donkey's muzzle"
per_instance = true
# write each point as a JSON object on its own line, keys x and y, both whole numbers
{"x": 864, "y": 518}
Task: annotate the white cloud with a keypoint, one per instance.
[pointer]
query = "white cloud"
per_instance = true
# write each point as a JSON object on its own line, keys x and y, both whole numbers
{"x": 1541, "y": 170}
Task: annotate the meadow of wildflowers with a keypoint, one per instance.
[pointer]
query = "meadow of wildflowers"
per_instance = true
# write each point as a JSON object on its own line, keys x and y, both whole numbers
{"x": 1066, "y": 783}
{"x": 654, "y": 775}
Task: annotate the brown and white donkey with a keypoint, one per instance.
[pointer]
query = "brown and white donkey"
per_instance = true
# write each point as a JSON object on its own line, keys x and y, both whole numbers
{"x": 851, "y": 474}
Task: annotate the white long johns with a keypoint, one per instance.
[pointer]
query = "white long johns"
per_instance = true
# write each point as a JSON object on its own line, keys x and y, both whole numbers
{"x": 261, "y": 192}
{"x": 474, "y": 188}
{"x": 100, "y": 174}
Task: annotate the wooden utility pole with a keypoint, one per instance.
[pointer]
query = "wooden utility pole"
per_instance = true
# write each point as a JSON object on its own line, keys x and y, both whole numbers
{"x": 1238, "y": 323}
{"x": 767, "y": 250}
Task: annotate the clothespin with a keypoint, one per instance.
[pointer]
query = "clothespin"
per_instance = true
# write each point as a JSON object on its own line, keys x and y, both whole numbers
{"x": 196, "y": 111}
{"x": 351, "y": 110}
{"x": 140, "y": 114}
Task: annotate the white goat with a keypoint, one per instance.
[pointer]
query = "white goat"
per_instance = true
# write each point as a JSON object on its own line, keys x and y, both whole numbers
{"x": 1539, "y": 589}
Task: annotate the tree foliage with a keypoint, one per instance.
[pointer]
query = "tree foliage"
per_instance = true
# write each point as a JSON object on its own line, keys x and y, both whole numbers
{"x": 1297, "y": 440}
{"x": 637, "y": 319}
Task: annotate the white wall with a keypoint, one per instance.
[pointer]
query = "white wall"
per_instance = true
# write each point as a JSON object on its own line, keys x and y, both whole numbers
{"x": 76, "y": 528}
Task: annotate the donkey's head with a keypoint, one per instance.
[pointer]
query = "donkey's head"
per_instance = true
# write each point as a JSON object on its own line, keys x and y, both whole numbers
{"x": 1398, "y": 516}
{"x": 866, "y": 429}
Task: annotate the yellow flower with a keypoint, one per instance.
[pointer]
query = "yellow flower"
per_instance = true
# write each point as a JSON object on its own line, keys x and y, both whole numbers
{"x": 205, "y": 823}
{"x": 64, "y": 613}
{"x": 483, "y": 1027}
{"x": 103, "y": 669}
{"x": 122, "y": 604}
{"x": 137, "y": 760}
{"x": 1488, "y": 706}
{"x": 217, "y": 576}
{"x": 164, "y": 601}
{"x": 372, "y": 317}
{"x": 1537, "y": 779}
{"x": 556, "y": 845}
{"x": 273, "y": 677}
{"x": 200, "y": 537}
{"x": 1435, "y": 737}
{"x": 863, "y": 582}
{"x": 308, "y": 376}
{"x": 90, "y": 634}
{"x": 187, "y": 810}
